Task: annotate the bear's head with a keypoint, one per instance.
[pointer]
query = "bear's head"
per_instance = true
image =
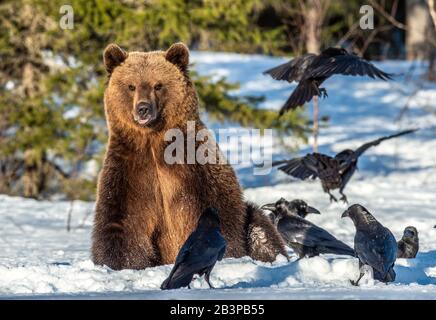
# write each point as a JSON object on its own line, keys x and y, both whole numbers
{"x": 149, "y": 91}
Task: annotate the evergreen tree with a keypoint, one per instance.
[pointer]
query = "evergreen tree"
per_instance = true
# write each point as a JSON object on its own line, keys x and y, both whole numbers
{"x": 52, "y": 81}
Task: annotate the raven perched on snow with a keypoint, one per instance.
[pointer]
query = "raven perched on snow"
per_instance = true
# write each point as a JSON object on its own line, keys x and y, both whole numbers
{"x": 311, "y": 70}
{"x": 304, "y": 237}
{"x": 408, "y": 246}
{"x": 198, "y": 255}
{"x": 374, "y": 244}
{"x": 334, "y": 172}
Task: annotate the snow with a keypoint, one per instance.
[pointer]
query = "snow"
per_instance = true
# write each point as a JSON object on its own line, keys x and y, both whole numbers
{"x": 396, "y": 181}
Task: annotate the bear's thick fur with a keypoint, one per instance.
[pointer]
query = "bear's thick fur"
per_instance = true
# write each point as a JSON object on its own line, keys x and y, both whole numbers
{"x": 147, "y": 208}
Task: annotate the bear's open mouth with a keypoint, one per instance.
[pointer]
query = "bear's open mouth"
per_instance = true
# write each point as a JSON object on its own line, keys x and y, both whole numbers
{"x": 144, "y": 121}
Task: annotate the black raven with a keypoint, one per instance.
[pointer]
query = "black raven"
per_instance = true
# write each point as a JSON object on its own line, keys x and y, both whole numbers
{"x": 374, "y": 244}
{"x": 334, "y": 172}
{"x": 282, "y": 207}
{"x": 304, "y": 237}
{"x": 198, "y": 255}
{"x": 408, "y": 246}
{"x": 311, "y": 70}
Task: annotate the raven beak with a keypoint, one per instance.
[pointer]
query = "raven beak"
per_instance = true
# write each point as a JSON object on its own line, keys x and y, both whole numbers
{"x": 345, "y": 214}
{"x": 269, "y": 206}
{"x": 312, "y": 210}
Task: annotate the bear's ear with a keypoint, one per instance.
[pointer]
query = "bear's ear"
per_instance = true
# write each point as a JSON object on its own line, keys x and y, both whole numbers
{"x": 178, "y": 54}
{"x": 113, "y": 56}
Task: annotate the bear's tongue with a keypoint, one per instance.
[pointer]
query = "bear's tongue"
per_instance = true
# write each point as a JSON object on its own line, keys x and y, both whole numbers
{"x": 145, "y": 120}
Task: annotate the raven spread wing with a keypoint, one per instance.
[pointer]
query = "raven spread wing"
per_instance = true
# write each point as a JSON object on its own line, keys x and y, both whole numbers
{"x": 359, "y": 151}
{"x": 291, "y": 70}
{"x": 306, "y": 167}
{"x": 346, "y": 64}
{"x": 342, "y": 62}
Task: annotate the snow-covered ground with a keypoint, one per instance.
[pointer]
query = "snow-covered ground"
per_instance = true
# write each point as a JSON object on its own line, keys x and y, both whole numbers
{"x": 39, "y": 258}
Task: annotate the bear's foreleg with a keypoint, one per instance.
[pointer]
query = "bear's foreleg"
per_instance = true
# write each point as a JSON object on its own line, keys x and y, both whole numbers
{"x": 113, "y": 242}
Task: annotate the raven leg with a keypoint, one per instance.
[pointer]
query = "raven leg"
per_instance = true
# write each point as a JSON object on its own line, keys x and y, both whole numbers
{"x": 344, "y": 197}
{"x": 356, "y": 283}
{"x": 206, "y": 277}
{"x": 332, "y": 197}
{"x": 323, "y": 93}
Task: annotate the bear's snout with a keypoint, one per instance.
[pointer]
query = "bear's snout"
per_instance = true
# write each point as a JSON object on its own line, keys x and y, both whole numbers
{"x": 142, "y": 108}
{"x": 145, "y": 112}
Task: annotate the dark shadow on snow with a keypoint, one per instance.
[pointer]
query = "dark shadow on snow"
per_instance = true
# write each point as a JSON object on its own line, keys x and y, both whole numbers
{"x": 415, "y": 273}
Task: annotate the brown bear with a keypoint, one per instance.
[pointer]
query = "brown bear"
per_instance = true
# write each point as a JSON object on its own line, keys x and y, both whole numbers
{"x": 146, "y": 208}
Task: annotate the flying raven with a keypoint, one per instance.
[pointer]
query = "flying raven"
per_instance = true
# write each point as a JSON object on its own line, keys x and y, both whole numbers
{"x": 311, "y": 70}
{"x": 334, "y": 172}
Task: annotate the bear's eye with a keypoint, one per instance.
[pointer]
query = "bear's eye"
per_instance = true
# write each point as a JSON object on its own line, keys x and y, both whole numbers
{"x": 158, "y": 86}
{"x": 132, "y": 87}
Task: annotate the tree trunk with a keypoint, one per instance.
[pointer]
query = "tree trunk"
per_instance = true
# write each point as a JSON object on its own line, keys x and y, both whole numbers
{"x": 315, "y": 128}
{"x": 417, "y": 25}
{"x": 314, "y": 12}
{"x": 421, "y": 33}
{"x": 34, "y": 176}
{"x": 31, "y": 176}
{"x": 313, "y": 26}
{"x": 4, "y": 181}
{"x": 432, "y": 45}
